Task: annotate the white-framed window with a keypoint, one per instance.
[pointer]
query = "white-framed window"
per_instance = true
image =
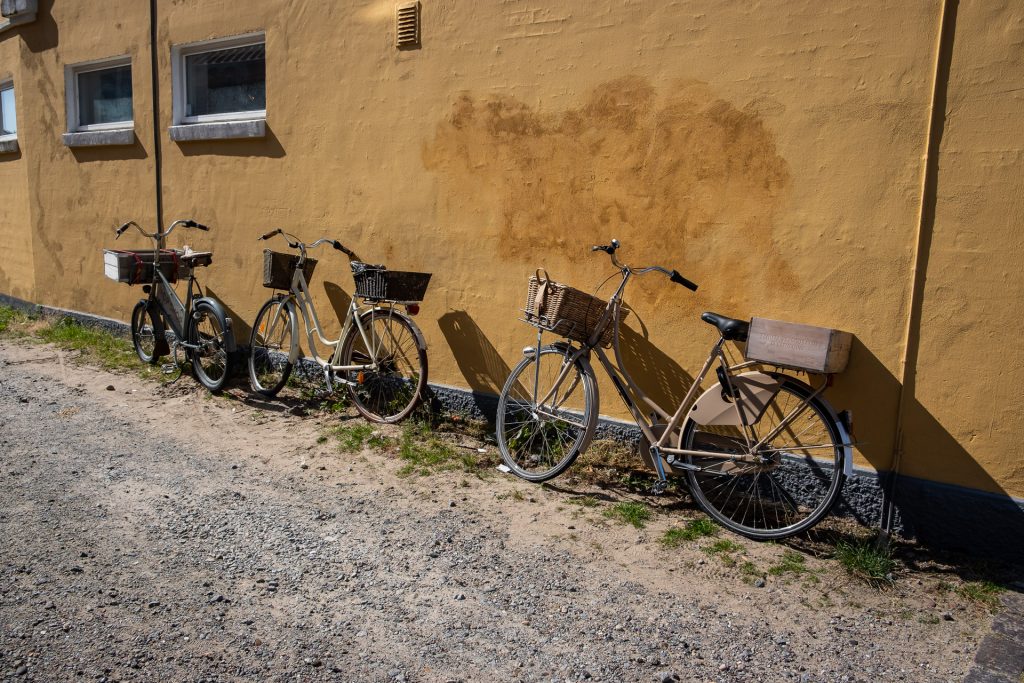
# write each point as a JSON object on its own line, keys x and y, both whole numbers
{"x": 8, "y": 115}
{"x": 220, "y": 80}
{"x": 99, "y": 95}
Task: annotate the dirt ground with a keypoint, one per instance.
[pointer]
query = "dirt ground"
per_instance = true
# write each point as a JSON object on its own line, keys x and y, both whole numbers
{"x": 154, "y": 532}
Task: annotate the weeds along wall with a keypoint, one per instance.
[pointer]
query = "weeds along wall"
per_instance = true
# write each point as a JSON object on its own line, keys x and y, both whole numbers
{"x": 777, "y": 155}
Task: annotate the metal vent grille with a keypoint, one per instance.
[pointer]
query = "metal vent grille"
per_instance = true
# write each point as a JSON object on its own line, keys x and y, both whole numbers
{"x": 407, "y": 25}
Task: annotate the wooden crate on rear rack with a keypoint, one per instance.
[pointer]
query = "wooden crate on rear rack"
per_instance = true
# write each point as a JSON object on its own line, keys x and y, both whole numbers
{"x": 796, "y": 346}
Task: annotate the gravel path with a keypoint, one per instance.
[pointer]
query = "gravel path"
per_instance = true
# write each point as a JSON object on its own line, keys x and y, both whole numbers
{"x": 159, "y": 534}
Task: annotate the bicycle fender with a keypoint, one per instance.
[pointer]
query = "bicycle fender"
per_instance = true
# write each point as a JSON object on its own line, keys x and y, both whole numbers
{"x": 222, "y": 318}
{"x": 162, "y": 348}
{"x": 756, "y": 391}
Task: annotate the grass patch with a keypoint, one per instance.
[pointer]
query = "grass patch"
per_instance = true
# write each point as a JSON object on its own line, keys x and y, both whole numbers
{"x": 723, "y": 546}
{"x": 694, "y": 529}
{"x": 791, "y": 562}
{"x": 865, "y": 560}
{"x": 749, "y": 569}
{"x": 983, "y": 592}
{"x": 425, "y": 453}
{"x": 352, "y": 437}
{"x": 628, "y": 512}
{"x": 11, "y": 320}
{"x": 108, "y": 351}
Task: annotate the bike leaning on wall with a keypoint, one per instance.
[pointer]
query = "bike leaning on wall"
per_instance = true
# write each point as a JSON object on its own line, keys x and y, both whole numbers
{"x": 196, "y": 330}
{"x": 763, "y": 452}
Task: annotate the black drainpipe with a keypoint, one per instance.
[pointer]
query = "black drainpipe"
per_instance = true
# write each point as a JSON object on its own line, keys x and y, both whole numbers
{"x": 158, "y": 165}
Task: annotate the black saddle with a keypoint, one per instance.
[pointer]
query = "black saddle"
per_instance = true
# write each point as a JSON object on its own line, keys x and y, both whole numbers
{"x": 731, "y": 329}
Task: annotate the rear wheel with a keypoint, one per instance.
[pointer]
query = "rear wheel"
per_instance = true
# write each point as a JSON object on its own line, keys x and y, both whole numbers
{"x": 389, "y": 392}
{"x": 210, "y": 359}
{"x": 547, "y": 412}
{"x": 143, "y": 334}
{"x": 270, "y": 347}
{"x": 793, "y": 479}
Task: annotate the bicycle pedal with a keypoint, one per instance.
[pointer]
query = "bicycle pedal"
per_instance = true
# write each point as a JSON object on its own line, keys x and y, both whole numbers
{"x": 658, "y": 488}
{"x": 168, "y": 368}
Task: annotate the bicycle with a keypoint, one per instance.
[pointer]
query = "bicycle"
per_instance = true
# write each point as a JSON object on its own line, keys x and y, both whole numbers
{"x": 763, "y": 453}
{"x": 380, "y": 357}
{"x": 199, "y": 328}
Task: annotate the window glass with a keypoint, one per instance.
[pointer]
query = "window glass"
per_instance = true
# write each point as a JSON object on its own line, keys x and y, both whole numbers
{"x": 225, "y": 81}
{"x": 105, "y": 96}
{"x": 8, "y": 118}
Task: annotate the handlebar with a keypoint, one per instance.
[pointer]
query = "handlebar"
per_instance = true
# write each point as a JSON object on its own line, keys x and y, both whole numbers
{"x": 159, "y": 236}
{"x": 673, "y": 275}
{"x": 302, "y": 246}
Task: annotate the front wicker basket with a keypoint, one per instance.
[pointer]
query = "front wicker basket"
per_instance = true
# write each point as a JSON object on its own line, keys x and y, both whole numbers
{"x": 278, "y": 269}
{"x": 377, "y": 283}
{"x": 566, "y": 311}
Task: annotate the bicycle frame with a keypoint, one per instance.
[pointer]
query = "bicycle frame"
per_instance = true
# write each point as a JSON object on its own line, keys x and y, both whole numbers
{"x": 633, "y": 396}
{"x": 303, "y": 300}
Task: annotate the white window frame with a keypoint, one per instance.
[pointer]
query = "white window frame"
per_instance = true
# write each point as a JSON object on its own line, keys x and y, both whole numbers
{"x": 4, "y": 85}
{"x": 71, "y": 73}
{"x": 178, "y": 71}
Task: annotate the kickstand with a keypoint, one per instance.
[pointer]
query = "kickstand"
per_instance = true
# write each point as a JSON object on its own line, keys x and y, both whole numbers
{"x": 329, "y": 378}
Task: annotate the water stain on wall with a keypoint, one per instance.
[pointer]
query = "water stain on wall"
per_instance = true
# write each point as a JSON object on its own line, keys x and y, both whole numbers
{"x": 681, "y": 176}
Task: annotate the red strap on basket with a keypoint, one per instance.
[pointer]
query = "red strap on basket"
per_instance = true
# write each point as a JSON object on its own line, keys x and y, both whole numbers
{"x": 138, "y": 268}
{"x": 175, "y": 261}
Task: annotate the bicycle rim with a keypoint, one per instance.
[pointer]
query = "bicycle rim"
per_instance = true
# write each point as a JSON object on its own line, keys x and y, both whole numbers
{"x": 143, "y": 334}
{"x": 389, "y": 392}
{"x": 546, "y": 414}
{"x": 269, "y": 348}
{"x": 794, "y": 483}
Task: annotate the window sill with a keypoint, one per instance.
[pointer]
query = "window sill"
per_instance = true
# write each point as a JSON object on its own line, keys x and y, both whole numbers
{"x": 9, "y": 146}
{"x": 219, "y": 130}
{"x": 99, "y": 138}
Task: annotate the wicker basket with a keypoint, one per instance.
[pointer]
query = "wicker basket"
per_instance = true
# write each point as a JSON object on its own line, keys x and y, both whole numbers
{"x": 377, "y": 283}
{"x": 566, "y": 311}
{"x": 136, "y": 267}
{"x": 278, "y": 269}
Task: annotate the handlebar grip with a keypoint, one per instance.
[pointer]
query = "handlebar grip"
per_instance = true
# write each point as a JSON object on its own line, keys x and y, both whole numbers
{"x": 204, "y": 228}
{"x": 680, "y": 280}
{"x": 120, "y": 231}
{"x": 337, "y": 245}
{"x": 270, "y": 234}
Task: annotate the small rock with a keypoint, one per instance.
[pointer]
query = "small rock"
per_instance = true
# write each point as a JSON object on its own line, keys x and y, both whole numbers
{"x": 460, "y": 596}
{"x": 669, "y": 678}
{"x": 21, "y": 670}
{"x": 759, "y": 583}
{"x": 153, "y": 603}
{"x": 451, "y": 503}
{"x": 948, "y": 616}
{"x": 110, "y": 387}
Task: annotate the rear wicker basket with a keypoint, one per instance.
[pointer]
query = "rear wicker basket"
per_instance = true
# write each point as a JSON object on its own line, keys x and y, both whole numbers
{"x": 279, "y": 268}
{"x": 377, "y": 283}
{"x": 566, "y": 311}
{"x": 136, "y": 267}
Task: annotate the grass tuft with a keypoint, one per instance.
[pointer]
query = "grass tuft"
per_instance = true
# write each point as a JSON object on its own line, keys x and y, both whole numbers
{"x": 865, "y": 560}
{"x": 351, "y": 437}
{"x": 10, "y": 320}
{"x": 628, "y": 512}
{"x": 694, "y": 529}
{"x": 983, "y": 592}
{"x": 791, "y": 562}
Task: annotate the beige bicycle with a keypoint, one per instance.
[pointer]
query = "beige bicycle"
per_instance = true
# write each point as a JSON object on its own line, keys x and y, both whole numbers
{"x": 763, "y": 452}
{"x": 380, "y": 357}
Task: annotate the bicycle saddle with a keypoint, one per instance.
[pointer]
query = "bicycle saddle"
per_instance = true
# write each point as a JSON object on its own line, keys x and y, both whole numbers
{"x": 731, "y": 329}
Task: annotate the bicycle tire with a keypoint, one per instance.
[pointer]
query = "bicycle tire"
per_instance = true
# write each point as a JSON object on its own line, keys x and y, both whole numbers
{"x": 210, "y": 361}
{"x": 391, "y": 392}
{"x": 795, "y": 486}
{"x": 539, "y": 441}
{"x": 271, "y": 339}
{"x": 143, "y": 333}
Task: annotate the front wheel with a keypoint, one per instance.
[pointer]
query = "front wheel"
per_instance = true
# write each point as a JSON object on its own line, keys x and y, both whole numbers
{"x": 391, "y": 365}
{"x": 207, "y": 331}
{"x": 270, "y": 347}
{"x": 144, "y": 334}
{"x": 791, "y": 482}
{"x": 547, "y": 413}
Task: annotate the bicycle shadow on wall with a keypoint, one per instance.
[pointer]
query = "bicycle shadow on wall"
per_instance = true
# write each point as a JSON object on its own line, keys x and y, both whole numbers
{"x": 480, "y": 363}
{"x": 977, "y": 516}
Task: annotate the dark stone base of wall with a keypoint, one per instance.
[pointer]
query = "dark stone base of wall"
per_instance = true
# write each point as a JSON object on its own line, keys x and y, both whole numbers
{"x": 984, "y": 525}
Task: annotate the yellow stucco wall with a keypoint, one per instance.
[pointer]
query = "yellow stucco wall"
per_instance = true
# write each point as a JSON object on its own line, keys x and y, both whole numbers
{"x": 17, "y": 275}
{"x": 772, "y": 154}
{"x": 964, "y": 420}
